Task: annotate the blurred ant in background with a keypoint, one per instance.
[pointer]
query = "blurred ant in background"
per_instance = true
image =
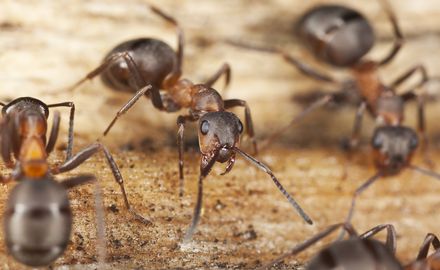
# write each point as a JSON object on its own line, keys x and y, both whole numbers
{"x": 393, "y": 148}
{"x": 139, "y": 62}
{"x": 341, "y": 37}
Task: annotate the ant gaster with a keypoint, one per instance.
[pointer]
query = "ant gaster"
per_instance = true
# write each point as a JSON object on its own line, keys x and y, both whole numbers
{"x": 341, "y": 37}
{"x": 362, "y": 252}
{"x": 38, "y": 218}
{"x": 139, "y": 62}
{"x": 359, "y": 252}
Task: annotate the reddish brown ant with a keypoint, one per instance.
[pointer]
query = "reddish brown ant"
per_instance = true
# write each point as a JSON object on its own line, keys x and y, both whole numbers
{"x": 38, "y": 218}
{"x": 357, "y": 252}
{"x": 136, "y": 63}
{"x": 341, "y": 37}
{"x": 219, "y": 135}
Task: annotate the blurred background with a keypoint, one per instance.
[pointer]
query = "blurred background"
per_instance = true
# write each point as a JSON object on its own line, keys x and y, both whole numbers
{"x": 46, "y": 46}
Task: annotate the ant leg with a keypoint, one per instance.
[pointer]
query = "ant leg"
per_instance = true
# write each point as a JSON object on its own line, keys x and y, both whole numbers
{"x": 78, "y": 180}
{"x": 356, "y": 194}
{"x": 70, "y": 132}
{"x": 180, "y": 145}
{"x": 398, "y": 42}
{"x": 280, "y": 187}
{"x": 127, "y": 106}
{"x": 6, "y": 144}
{"x": 408, "y": 95}
{"x": 206, "y": 164}
{"x": 408, "y": 74}
{"x": 225, "y": 70}
{"x": 105, "y": 64}
{"x": 311, "y": 241}
{"x": 88, "y": 152}
{"x": 229, "y": 103}
{"x": 134, "y": 71}
{"x": 391, "y": 235}
{"x": 174, "y": 76}
{"x": 100, "y": 216}
{"x": 422, "y": 130}
{"x": 354, "y": 140}
{"x": 317, "y": 104}
{"x": 54, "y": 132}
{"x": 430, "y": 239}
{"x": 302, "y": 67}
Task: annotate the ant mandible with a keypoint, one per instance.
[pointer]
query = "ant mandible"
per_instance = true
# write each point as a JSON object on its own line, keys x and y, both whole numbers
{"x": 139, "y": 62}
{"x": 38, "y": 218}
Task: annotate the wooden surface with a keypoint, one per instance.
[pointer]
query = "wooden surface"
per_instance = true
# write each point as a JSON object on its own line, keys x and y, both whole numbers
{"x": 48, "y": 45}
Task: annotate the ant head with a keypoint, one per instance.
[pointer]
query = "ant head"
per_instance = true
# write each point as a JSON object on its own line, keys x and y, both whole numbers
{"x": 393, "y": 147}
{"x": 219, "y": 131}
{"x": 26, "y": 103}
{"x": 37, "y": 221}
{"x": 337, "y": 35}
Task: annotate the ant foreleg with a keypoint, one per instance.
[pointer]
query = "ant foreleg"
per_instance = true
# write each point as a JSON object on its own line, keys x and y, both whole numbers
{"x": 88, "y": 152}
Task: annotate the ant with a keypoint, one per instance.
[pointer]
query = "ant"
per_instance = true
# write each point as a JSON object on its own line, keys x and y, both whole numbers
{"x": 38, "y": 218}
{"x": 219, "y": 136}
{"x": 362, "y": 252}
{"x": 147, "y": 61}
{"x": 341, "y": 37}
{"x": 357, "y": 252}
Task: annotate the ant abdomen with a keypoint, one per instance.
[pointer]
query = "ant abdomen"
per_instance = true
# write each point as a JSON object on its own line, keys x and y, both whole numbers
{"x": 154, "y": 60}
{"x": 38, "y": 221}
{"x": 361, "y": 254}
{"x": 338, "y": 35}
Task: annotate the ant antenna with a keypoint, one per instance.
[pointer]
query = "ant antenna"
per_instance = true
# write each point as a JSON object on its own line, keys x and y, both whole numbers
{"x": 264, "y": 168}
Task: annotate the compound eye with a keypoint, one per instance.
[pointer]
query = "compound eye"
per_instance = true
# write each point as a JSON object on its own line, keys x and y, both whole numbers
{"x": 414, "y": 142}
{"x": 240, "y": 126}
{"x": 377, "y": 142}
{"x": 204, "y": 127}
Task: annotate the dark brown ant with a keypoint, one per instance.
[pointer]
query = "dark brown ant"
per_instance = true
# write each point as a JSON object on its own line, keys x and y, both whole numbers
{"x": 38, "y": 218}
{"x": 357, "y": 252}
{"x": 362, "y": 252}
{"x": 139, "y": 62}
{"x": 341, "y": 37}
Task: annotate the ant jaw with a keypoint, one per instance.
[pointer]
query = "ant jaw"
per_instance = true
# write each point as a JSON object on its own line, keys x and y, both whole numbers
{"x": 391, "y": 165}
{"x": 226, "y": 153}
